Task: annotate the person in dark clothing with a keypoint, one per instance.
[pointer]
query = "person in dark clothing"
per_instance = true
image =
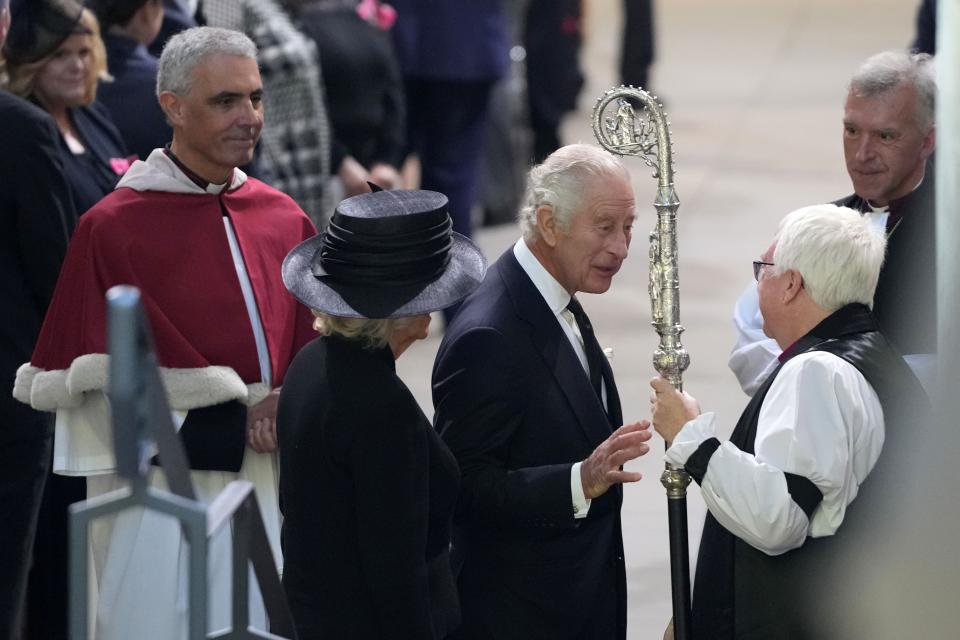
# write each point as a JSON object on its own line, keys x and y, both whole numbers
{"x": 812, "y": 457}
{"x": 364, "y": 92}
{"x": 128, "y": 27}
{"x": 451, "y": 54}
{"x": 374, "y": 561}
{"x": 176, "y": 18}
{"x": 925, "y": 40}
{"x": 36, "y": 220}
{"x": 638, "y": 49}
{"x": 552, "y": 37}
{"x": 54, "y": 57}
{"x": 528, "y": 404}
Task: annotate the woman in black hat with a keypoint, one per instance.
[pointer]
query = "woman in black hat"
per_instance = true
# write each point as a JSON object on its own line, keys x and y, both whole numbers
{"x": 54, "y": 57}
{"x": 367, "y": 486}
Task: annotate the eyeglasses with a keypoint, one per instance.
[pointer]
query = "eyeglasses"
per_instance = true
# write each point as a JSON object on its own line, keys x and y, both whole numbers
{"x": 757, "y": 266}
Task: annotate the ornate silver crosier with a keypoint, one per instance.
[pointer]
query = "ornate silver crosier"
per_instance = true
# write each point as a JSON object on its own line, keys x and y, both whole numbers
{"x": 629, "y": 121}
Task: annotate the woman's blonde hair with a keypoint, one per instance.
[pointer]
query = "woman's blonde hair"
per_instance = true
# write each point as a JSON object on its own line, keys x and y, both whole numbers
{"x": 371, "y": 332}
{"x": 21, "y": 79}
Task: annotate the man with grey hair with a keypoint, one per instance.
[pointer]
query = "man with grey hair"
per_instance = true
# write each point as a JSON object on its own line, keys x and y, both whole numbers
{"x": 526, "y": 401}
{"x": 36, "y": 219}
{"x": 807, "y": 444}
{"x": 295, "y": 146}
{"x": 204, "y": 244}
{"x": 889, "y": 137}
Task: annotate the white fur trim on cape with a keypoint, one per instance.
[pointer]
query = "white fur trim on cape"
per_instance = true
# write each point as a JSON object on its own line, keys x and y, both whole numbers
{"x": 186, "y": 388}
{"x": 159, "y": 173}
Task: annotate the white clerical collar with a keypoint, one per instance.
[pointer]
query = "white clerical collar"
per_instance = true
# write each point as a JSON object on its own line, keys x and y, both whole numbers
{"x": 878, "y": 216}
{"x": 885, "y": 208}
{"x": 159, "y": 173}
{"x": 556, "y": 297}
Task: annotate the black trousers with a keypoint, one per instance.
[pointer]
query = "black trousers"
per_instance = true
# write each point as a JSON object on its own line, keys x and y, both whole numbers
{"x": 48, "y": 597}
{"x": 26, "y": 439}
{"x": 638, "y": 43}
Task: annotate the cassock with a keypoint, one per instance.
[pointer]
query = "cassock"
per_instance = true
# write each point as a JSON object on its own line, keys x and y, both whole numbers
{"x": 206, "y": 259}
{"x": 806, "y": 485}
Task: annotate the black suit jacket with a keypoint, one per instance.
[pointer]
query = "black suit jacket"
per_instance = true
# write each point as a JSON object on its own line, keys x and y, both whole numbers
{"x": 516, "y": 407}
{"x": 36, "y": 220}
{"x": 367, "y": 490}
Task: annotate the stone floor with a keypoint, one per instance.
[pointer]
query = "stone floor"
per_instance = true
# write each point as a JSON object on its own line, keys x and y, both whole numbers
{"x": 754, "y": 90}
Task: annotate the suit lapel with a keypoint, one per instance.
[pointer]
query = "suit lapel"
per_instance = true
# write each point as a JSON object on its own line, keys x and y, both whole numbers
{"x": 558, "y": 354}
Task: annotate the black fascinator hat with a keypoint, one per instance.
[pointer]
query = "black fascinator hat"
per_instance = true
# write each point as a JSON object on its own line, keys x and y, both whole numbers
{"x": 38, "y": 27}
{"x": 387, "y": 254}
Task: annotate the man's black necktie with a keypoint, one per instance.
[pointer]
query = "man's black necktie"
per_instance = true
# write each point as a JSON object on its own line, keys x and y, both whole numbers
{"x": 590, "y": 345}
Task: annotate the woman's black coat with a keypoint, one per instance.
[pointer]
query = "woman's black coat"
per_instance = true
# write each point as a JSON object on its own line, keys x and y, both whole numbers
{"x": 367, "y": 490}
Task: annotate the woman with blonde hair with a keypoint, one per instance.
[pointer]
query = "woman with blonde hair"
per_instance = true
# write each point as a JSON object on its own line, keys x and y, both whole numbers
{"x": 54, "y": 57}
{"x": 367, "y": 486}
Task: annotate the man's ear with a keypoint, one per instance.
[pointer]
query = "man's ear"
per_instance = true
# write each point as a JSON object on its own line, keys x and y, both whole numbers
{"x": 794, "y": 285}
{"x": 547, "y": 225}
{"x": 929, "y": 143}
{"x": 172, "y": 106}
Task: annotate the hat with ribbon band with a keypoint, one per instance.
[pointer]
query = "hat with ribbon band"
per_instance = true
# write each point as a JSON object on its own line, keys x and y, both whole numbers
{"x": 387, "y": 254}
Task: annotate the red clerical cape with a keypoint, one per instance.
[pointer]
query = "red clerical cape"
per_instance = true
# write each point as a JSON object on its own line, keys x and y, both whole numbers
{"x": 174, "y": 248}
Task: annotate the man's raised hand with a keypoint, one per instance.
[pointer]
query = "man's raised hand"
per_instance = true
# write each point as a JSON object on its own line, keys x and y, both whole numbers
{"x": 602, "y": 469}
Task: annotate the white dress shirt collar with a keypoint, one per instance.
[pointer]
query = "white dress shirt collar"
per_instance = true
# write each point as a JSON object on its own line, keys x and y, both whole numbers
{"x": 552, "y": 291}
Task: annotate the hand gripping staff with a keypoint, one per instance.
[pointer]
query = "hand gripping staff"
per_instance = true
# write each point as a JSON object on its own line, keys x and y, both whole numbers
{"x": 621, "y": 129}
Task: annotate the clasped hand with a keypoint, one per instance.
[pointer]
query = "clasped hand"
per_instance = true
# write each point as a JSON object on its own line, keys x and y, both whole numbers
{"x": 262, "y": 424}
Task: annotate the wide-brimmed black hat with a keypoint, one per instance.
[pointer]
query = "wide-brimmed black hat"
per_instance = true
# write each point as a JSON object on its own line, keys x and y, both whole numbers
{"x": 38, "y": 27}
{"x": 388, "y": 254}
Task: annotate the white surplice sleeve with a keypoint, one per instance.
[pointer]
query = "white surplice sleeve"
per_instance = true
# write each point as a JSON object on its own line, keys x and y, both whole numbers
{"x": 820, "y": 420}
{"x": 754, "y": 355}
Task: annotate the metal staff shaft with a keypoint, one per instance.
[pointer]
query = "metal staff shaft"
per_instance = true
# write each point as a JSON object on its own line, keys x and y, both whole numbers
{"x": 621, "y": 130}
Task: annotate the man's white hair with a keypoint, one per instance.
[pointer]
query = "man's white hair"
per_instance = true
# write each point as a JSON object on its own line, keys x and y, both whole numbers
{"x": 184, "y": 51}
{"x": 837, "y": 251}
{"x": 561, "y": 181}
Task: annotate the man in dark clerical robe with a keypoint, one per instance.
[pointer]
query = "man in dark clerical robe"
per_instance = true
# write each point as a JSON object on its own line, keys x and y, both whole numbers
{"x": 888, "y": 142}
{"x": 807, "y": 483}
{"x": 204, "y": 244}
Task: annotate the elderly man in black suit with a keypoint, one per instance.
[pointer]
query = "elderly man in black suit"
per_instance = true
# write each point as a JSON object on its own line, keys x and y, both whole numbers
{"x": 36, "y": 219}
{"x": 527, "y": 403}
